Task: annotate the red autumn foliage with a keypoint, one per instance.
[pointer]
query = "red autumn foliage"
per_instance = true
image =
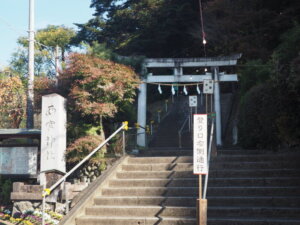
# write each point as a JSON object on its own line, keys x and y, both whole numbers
{"x": 12, "y": 101}
{"x": 96, "y": 86}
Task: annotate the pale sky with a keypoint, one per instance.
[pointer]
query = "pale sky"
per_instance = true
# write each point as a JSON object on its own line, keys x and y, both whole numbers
{"x": 14, "y": 19}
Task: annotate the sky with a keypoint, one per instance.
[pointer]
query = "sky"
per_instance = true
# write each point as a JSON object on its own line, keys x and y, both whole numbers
{"x": 14, "y": 19}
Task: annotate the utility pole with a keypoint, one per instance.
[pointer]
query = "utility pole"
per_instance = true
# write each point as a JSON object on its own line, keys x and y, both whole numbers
{"x": 57, "y": 64}
{"x": 30, "y": 92}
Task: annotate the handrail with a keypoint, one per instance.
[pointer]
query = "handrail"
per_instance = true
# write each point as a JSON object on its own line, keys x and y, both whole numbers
{"x": 85, "y": 159}
{"x": 47, "y": 191}
{"x": 180, "y": 130}
{"x": 208, "y": 158}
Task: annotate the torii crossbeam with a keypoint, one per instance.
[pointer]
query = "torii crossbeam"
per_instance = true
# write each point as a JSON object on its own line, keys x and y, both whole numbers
{"x": 177, "y": 64}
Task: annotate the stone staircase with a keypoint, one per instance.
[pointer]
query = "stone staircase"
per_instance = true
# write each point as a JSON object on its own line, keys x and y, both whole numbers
{"x": 245, "y": 188}
{"x": 147, "y": 190}
{"x": 254, "y": 188}
{"x": 157, "y": 187}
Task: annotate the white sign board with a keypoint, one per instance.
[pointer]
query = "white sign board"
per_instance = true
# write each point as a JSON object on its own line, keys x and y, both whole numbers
{"x": 18, "y": 160}
{"x": 208, "y": 86}
{"x": 193, "y": 101}
{"x": 200, "y": 144}
{"x": 54, "y": 134}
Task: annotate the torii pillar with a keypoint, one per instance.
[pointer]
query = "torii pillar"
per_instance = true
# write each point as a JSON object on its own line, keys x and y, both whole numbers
{"x": 217, "y": 105}
{"x": 141, "y": 117}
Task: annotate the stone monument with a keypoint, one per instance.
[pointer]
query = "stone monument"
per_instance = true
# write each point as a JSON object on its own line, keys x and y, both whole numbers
{"x": 53, "y": 139}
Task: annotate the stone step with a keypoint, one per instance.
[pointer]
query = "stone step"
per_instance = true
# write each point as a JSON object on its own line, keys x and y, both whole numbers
{"x": 225, "y": 173}
{"x": 159, "y": 167}
{"x": 170, "y": 159}
{"x": 150, "y": 191}
{"x": 262, "y": 201}
{"x": 257, "y": 158}
{"x": 253, "y": 191}
{"x": 273, "y": 181}
{"x": 154, "y": 174}
{"x": 212, "y": 182}
{"x": 146, "y": 200}
{"x": 183, "y": 182}
{"x": 244, "y": 152}
{"x": 251, "y": 221}
{"x": 255, "y": 165}
{"x": 213, "y": 166}
{"x": 148, "y": 211}
{"x": 168, "y": 149}
{"x": 280, "y": 201}
{"x": 116, "y": 220}
{"x": 167, "y": 153}
{"x": 259, "y": 212}
{"x": 252, "y": 173}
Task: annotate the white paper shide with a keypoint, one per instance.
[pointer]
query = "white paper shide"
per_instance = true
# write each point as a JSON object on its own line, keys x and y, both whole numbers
{"x": 53, "y": 139}
{"x": 200, "y": 144}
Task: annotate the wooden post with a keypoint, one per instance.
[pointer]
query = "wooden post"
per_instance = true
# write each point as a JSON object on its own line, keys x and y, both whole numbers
{"x": 200, "y": 187}
{"x": 199, "y": 200}
{"x": 201, "y": 206}
{"x": 202, "y": 211}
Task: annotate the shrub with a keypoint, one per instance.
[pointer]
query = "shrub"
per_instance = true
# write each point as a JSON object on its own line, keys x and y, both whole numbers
{"x": 5, "y": 189}
{"x": 82, "y": 147}
{"x": 258, "y": 116}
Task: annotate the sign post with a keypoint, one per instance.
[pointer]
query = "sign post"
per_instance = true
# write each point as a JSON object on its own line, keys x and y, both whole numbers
{"x": 200, "y": 166}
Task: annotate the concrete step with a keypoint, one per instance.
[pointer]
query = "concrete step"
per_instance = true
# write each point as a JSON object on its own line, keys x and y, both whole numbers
{"x": 273, "y": 181}
{"x": 251, "y": 221}
{"x": 150, "y": 191}
{"x": 244, "y": 152}
{"x": 255, "y": 165}
{"x": 233, "y": 201}
{"x": 168, "y": 149}
{"x": 253, "y": 191}
{"x": 228, "y": 173}
{"x": 212, "y": 182}
{"x": 155, "y": 174}
{"x": 159, "y": 167}
{"x": 261, "y": 201}
{"x": 116, "y": 220}
{"x": 251, "y": 173}
{"x": 259, "y": 212}
{"x": 257, "y": 158}
{"x": 167, "y": 153}
{"x": 179, "y": 182}
{"x": 151, "y": 160}
{"x": 145, "y": 200}
{"x": 149, "y": 211}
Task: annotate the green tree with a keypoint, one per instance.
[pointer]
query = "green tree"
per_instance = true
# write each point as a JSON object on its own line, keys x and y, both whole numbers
{"x": 171, "y": 28}
{"x": 154, "y": 28}
{"x": 269, "y": 110}
{"x": 46, "y": 41}
{"x": 251, "y": 27}
{"x": 53, "y": 36}
{"x": 286, "y": 80}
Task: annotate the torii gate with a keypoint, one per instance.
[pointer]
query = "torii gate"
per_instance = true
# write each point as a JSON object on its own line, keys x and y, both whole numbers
{"x": 177, "y": 65}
